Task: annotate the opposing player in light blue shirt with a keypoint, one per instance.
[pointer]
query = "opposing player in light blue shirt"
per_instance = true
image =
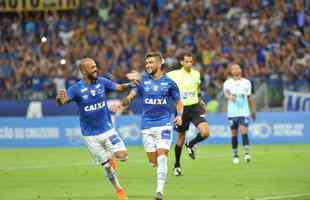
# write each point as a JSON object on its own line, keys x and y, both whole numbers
{"x": 97, "y": 128}
{"x": 156, "y": 91}
{"x": 238, "y": 92}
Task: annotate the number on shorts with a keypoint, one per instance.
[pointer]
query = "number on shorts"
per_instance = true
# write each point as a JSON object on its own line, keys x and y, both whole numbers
{"x": 114, "y": 139}
{"x": 166, "y": 134}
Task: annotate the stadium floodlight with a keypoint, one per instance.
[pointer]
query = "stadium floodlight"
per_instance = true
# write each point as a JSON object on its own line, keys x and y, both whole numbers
{"x": 63, "y": 61}
{"x": 43, "y": 39}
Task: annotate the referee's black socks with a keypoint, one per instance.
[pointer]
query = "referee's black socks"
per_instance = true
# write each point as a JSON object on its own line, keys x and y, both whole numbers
{"x": 178, "y": 152}
{"x": 196, "y": 140}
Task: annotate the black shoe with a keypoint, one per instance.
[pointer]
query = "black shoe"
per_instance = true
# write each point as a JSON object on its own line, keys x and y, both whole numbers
{"x": 177, "y": 171}
{"x": 158, "y": 196}
{"x": 190, "y": 151}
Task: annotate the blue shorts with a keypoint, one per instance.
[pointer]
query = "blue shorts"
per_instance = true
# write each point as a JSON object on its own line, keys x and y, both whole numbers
{"x": 235, "y": 122}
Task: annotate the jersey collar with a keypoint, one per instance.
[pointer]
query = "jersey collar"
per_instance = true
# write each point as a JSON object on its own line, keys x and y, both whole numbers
{"x": 183, "y": 70}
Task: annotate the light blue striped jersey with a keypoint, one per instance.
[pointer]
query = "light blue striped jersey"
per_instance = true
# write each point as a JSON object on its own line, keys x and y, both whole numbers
{"x": 241, "y": 89}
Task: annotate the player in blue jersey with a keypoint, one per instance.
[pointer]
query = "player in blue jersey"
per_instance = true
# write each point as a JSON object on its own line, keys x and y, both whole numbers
{"x": 238, "y": 92}
{"x": 156, "y": 90}
{"x": 97, "y": 128}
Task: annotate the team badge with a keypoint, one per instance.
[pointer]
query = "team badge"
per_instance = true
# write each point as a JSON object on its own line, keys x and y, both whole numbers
{"x": 93, "y": 92}
{"x": 155, "y": 88}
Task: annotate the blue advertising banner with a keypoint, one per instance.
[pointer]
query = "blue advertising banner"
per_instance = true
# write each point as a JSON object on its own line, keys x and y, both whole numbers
{"x": 287, "y": 127}
{"x": 296, "y": 101}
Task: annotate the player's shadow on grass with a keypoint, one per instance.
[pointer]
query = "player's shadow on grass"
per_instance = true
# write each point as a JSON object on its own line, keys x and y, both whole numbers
{"x": 66, "y": 197}
{"x": 84, "y": 197}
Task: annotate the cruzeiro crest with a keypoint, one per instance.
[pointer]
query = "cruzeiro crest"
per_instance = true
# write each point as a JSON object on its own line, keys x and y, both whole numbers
{"x": 93, "y": 92}
{"x": 155, "y": 88}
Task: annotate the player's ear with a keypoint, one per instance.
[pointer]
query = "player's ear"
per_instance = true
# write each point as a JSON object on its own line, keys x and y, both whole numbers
{"x": 182, "y": 62}
{"x": 82, "y": 70}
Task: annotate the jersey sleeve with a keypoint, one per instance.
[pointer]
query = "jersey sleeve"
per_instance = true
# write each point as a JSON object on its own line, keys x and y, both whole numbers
{"x": 171, "y": 75}
{"x": 199, "y": 78}
{"x": 71, "y": 93}
{"x": 248, "y": 88}
{"x": 108, "y": 84}
{"x": 226, "y": 88}
{"x": 174, "y": 91}
{"x": 139, "y": 88}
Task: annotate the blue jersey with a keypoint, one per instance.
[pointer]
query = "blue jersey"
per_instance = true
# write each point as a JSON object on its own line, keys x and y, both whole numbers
{"x": 91, "y": 99}
{"x": 156, "y": 95}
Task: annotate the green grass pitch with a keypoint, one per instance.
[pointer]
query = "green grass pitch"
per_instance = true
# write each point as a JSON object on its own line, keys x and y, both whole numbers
{"x": 277, "y": 172}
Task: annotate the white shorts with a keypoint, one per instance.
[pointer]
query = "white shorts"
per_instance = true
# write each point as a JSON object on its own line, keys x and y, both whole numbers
{"x": 103, "y": 146}
{"x": 157, "y": 138}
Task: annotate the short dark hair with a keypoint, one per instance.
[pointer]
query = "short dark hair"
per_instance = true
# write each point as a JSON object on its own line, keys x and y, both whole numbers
{"x": 183, "y": 55}
{"x": 155, "y": 54}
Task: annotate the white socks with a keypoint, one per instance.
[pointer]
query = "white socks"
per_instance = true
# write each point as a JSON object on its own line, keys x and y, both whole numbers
{"x": 111, "y": 175}
{"x": 162, "y": 170}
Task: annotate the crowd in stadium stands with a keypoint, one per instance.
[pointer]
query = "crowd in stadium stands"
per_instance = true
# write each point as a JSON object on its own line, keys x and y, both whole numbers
{"x": 269, "y": 38}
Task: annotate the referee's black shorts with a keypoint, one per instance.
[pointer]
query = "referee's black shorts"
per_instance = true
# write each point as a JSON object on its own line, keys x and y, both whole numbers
{"x": 194, "y": 113}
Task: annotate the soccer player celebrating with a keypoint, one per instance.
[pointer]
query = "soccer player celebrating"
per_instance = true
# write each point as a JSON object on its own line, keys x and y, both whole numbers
{"x": 237, "y": 91}
{"x": 188, "y": 81}
{"x": 156, "y": 90}
{"x": 97, "y": 129}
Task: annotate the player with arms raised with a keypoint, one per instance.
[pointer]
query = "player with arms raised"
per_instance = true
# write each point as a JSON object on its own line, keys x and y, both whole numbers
{"x": 97, "y": 129}
{"x": 237, "y": 91}
{"x": 156, "y": 90}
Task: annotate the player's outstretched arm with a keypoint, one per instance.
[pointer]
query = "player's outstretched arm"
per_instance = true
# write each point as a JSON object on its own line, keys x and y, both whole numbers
{"x": 252, "y": 107}
{"x": 125, "y": 86}
{"x": 126, "y": 101}
{"x": 62, "y": 97}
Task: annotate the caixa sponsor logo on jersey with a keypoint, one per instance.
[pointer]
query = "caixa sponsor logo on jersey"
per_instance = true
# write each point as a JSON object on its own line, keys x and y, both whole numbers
{"x": 155, "y": 101}
{"x": 95, "y": 106}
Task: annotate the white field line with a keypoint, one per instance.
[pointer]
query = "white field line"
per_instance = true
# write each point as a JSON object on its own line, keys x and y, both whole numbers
{"x": 25, "y": 167}
{"x": 285, "y": 196}
{"x": 136, "y": 159}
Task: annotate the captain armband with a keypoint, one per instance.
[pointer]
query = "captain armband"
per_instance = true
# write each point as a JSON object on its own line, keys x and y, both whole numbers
{"x": 129, "y": 85}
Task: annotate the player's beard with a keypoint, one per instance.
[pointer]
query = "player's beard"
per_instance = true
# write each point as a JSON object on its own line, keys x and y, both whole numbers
{"x": 93, "y": 76}
{"x": 151, "y": 71}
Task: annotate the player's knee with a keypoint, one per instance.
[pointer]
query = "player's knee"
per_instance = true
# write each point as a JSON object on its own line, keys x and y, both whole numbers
{"x": 161, "y": 152}
{"x": 204, "y": 132}
{"x": 153, "y": 164}
{"x": 243, "y": 130}
{"x": 152, "y": 161}
{"x": 234, "y": 132}
{"x": 204, "y": 129}
{"x": 121, "y": 155}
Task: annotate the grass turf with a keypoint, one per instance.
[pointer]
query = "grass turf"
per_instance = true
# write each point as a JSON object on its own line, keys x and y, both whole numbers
{"x": 277, "y": 172}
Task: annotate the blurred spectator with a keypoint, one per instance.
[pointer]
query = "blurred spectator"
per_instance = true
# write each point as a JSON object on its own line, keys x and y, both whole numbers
{"x": 269, "y": 39}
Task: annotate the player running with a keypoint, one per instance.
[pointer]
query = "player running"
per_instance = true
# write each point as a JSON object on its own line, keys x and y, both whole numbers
{"x": 101, "y": 138}
{"x": 237, "y": 91}
{"x": 188, "y": 81}
{"x": 157, "y": 90}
